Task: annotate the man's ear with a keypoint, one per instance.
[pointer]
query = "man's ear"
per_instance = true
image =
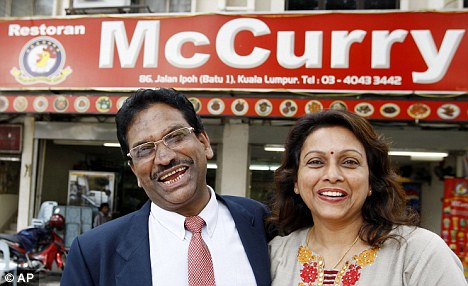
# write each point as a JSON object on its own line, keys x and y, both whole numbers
{"x": 205, "y": 140}
{"x": 130, "y": 163}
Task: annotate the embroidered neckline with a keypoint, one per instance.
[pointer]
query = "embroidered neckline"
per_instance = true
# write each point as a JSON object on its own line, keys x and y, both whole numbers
{"x": 313, "y": 272}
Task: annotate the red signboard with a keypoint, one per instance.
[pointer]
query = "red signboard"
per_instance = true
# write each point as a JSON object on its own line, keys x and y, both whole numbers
{"x": 11, "y": 138}
{"x": 341, "y": 52}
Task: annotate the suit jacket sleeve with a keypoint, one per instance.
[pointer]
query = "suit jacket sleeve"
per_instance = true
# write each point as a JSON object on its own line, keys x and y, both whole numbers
{"x": 115, "y": 253}
{"x": 76, "y": 271}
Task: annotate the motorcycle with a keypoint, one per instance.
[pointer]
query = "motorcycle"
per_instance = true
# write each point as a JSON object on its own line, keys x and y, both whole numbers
{"x": 35, "y": 249}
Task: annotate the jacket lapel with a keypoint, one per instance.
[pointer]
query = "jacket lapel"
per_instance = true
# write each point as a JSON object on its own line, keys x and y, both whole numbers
{"x": 134, "y": 252}
{"x": 252, "y": 234}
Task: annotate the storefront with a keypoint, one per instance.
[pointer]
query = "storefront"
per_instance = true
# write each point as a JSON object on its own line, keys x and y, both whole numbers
{"x": 249, "y": 76}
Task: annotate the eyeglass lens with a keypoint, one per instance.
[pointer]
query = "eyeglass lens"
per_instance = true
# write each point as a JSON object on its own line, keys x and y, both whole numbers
{"x": 171, "y": 140}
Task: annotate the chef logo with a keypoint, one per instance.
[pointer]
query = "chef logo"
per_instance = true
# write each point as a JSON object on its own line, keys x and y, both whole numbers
{"x": 41, "y": 60}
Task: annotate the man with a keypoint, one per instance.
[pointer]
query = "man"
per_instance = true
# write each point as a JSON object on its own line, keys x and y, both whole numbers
{"x": 102, "y": 216}
{"x": 168, "y": 148}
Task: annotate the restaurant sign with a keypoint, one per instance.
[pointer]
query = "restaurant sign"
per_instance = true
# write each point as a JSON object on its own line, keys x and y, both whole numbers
{"x": 321, "y": 52}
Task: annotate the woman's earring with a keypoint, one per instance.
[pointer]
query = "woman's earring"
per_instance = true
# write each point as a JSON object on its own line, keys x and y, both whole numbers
{"x": 370, "y": 193}
{"x": 138, "y": 182}
{"x": 296, "y": 190}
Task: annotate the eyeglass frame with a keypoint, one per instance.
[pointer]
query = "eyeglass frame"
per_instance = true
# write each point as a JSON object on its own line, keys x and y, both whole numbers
{"x": 156, "y": 143}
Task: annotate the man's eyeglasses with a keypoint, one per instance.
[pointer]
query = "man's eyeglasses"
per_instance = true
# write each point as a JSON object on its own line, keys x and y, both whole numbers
{"x": 171, "y": 140}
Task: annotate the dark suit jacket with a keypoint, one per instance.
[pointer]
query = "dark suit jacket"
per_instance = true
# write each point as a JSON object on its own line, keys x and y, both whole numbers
{"x": 117, "y": 252}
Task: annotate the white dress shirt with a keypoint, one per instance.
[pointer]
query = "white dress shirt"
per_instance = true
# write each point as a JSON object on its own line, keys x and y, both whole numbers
{"x": 169, "y": 242}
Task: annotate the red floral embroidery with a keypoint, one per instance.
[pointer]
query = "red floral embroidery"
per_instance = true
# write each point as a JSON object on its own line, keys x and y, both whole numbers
{"x": 309, "y": 272}
{"x": 352, "y": 275}
{"x": 348, "y": 276}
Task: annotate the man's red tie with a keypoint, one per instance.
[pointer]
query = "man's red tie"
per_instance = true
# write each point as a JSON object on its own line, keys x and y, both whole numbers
{"x": 200, "y": 265}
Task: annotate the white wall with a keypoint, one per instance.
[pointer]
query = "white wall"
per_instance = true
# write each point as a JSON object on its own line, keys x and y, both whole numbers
{"x": 233, "y": 160}
{"x": 26, "y": 193}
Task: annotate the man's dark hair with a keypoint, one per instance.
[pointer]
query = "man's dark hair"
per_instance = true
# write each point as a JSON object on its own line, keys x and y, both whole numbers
{"x": 103, "y": 205}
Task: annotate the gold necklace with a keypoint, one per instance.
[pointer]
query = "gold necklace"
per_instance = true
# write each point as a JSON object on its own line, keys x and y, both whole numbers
{"x": 344, "y": 255}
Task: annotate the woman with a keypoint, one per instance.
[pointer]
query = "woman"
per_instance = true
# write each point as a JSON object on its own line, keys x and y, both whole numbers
{"x": 342, "y": 214}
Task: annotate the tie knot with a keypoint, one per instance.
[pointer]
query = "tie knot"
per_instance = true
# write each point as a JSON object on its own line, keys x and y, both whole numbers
{"x": 194, "y": 224}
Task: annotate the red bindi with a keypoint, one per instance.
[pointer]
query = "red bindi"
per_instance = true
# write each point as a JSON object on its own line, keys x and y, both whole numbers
{"x": 332, "y": 152}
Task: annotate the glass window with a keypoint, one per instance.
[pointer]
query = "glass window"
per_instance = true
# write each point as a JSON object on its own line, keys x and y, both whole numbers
{"x": 341, "y": 4}
{"x": 3, "y": 9}
{"x": 10, "y": 170}
{"x": 26, "y": 8}
{"x": 22, "y": 8}
{"x": 381, "y": 4}
{"x": 262, "y": 185}
{"x": 158, "y": 6}
{"x": 465, "y": 3}
{"x": 262, "y": 171}
{"x": 180, "y": 6}
{"x": 302, "y": 4}
{"x": 43, "y": 7}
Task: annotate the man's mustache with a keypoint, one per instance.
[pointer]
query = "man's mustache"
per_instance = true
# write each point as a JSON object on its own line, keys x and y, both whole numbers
{"x": 171, "y": 164}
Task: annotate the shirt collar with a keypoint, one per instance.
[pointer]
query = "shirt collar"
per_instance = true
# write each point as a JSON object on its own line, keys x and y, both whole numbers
{"x": 210, "y": 213}
{"x": 174, "y": 222}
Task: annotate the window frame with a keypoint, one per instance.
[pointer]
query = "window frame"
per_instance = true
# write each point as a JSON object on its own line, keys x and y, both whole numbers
{"x": 360, "y": 5}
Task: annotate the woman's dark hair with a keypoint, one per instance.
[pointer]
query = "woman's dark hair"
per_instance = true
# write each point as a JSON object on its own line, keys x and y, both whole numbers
{"x": 145, "y": 98}
{"x": 382, "y": 211}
